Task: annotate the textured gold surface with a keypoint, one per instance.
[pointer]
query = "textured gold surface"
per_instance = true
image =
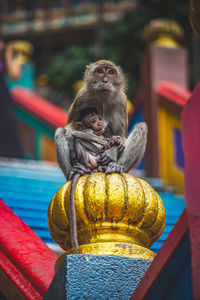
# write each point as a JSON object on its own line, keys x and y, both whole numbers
{"x": 195, "y": 16}
{"x": 116, "y": 208}
{"x": 118, "y": 249}
{"x": 163, "y": 32}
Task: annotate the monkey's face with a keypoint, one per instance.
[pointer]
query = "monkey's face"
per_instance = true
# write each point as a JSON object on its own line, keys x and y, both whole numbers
{"x": 96, "y": 123}
{"x": 104, "y": 77}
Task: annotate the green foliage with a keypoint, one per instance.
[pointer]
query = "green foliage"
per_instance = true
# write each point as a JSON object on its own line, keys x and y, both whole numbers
{"x": 68, "y": 67}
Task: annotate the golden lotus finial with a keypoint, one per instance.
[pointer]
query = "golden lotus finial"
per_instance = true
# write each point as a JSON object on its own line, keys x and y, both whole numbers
{"x": 163, "y": 32}
{"x": 116, "y": 214}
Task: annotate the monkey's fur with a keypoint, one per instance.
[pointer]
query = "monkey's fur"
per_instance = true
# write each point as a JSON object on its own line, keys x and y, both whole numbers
{"x": 104, "y": 89}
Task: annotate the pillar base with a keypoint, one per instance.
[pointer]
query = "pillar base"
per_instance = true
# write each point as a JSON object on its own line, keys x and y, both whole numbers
{"x": 111, "y": 248}
{"x": 97, "y": 277}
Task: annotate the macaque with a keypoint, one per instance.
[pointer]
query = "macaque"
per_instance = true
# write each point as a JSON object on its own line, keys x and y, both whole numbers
{"x": 103, "y": 89}
{"x": 89, "y": 144}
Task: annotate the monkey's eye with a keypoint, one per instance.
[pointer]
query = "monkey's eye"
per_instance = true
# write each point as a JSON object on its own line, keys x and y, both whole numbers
{"x": 99, "y": 71}
{"x": 94, "y": 121}
{"x": 100, "y": 118}
{"x": 111, "y": 72}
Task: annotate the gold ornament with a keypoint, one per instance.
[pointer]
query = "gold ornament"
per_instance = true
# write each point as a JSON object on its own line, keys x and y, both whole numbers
{"x": 23, "y": 48}
{"x": 116, "y": 214}
{"x": 164, "y": 33}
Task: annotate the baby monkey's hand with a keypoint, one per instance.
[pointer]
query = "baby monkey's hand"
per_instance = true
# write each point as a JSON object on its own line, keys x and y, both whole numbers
{"x": 116, "y": 140}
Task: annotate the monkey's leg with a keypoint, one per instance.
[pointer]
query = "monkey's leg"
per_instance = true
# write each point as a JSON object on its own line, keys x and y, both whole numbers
{"x": 110, "y": 161}
{"x": 63, "y": 151}
{"x": 109, "y": 156}
{"x": 134, "y": 147}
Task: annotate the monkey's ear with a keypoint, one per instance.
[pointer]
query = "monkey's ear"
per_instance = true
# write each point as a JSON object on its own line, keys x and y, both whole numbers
{"x": 119, "y": 69}
{"x": 87, "y": 69}
{"x": 79, "y": 126}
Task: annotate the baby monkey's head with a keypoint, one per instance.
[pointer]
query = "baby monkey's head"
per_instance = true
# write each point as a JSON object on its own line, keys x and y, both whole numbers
{"x": 89, "y": 118}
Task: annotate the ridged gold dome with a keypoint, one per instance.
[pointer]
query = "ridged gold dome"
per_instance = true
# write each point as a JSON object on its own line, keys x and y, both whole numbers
{"x": 163, "y": 32}
{"x": 195, "y": 16}
{"x": 116, "y": 214}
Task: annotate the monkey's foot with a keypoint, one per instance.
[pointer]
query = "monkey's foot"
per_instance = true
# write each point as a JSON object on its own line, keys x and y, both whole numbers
{"x": 113, "y": 167}
{"x": 109, "y": 156}
{"x": 101, "y": 169}
{"x": 78, "y": 169}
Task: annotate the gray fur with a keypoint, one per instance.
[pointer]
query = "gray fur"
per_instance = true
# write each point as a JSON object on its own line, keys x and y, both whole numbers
{"x": 134, "y": 149}
{"x": 62, "y": 138}
{"x": 135, "y": 146}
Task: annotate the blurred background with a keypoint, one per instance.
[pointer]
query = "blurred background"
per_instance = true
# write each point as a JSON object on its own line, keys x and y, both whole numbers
{"x": 44, "y": 48}
{"x": 46, "y": 44}
{"x": 66, "y": 35}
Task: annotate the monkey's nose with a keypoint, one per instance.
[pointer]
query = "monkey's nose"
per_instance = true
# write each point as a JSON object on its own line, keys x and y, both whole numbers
{"x": 105, "y": 80}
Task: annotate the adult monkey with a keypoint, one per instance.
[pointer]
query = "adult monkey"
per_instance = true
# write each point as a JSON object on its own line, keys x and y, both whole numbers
{"x": 104, "y": 89}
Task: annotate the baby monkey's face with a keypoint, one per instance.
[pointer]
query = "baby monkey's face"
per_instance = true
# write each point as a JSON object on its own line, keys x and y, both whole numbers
{"x": 96, "y": 123}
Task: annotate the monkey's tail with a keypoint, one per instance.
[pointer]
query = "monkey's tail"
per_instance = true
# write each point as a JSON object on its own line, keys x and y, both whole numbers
{"x": 73, "y": 227}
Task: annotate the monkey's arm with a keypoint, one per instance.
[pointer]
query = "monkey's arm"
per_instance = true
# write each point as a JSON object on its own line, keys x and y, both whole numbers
{"x": 62, "y": 139}
{"x": 134, "y": 150}
{"x": 110, "y": 155}
{"x": 64, "y": 150}
{"x": 90, "y": 137}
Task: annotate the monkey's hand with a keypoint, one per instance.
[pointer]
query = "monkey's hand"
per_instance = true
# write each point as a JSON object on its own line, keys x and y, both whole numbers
{"x": 118, "y": 141}
{"x": 113, "y": 167}
{"x": 108, "y": 156}
{"x": 78, "y": 169}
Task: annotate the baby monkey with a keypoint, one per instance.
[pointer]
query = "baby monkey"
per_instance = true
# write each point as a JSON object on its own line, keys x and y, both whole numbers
{"x": 89, "y": 140}
{"x": 89, "y": 144}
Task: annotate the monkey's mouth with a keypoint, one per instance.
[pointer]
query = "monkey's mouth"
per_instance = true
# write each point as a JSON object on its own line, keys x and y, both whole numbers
{"x": 104, "y": 87}
{"x": 105, "y": 90}
{"x": 100, "y": 132}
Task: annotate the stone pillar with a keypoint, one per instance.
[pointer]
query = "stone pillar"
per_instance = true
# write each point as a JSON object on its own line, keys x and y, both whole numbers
{"x": 97, "y": 277}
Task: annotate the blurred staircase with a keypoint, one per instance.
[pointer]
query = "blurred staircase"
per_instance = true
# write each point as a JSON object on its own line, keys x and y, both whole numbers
{"x": 28, "y": 186}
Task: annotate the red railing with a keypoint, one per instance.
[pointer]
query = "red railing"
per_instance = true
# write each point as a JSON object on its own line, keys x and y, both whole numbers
{"x": 26, "y": 263}
{"x": 40, "y": 108}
